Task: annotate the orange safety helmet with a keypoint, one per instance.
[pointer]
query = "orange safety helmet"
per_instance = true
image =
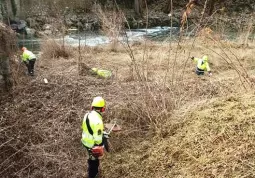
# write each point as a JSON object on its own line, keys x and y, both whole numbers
{"x": 24, "y": 48}
{"x": 97, "y": 151}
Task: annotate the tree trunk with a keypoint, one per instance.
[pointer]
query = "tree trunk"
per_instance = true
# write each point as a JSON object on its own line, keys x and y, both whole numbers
{"x": 211, "y": 6}
{"x": 5, "y": 71}
{"x": 138, "y": 7}
{"x": 167, "y": 8}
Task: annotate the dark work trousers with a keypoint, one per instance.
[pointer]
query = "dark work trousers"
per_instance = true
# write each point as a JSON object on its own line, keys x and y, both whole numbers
{"x": 93, "y": 164}
{"x": 199, "y": 71}
{"x": 30, "y": 66}
{"x": 93, "y": 168}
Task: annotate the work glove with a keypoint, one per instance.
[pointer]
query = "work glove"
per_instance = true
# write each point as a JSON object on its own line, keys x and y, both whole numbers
{"x": 192, "y": 58}
{"x": 106, "y": 135}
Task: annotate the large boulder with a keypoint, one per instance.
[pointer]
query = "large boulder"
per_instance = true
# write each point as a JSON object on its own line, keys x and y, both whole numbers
{"x": 18, "y": 26}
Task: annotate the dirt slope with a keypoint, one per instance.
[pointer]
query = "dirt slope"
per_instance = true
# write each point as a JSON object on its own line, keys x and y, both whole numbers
{"x": 214, "y": 139}
{"x": 208, "y": 135}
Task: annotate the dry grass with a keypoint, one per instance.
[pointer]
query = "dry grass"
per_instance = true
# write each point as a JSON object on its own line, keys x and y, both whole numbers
{"x": 40, "y": 126}
{"x": 213, "y": 139}
{"x": 53, "y": 49}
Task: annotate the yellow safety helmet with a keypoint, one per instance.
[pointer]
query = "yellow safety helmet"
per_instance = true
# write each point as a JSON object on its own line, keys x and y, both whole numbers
{"x": 98, "y": 102}
{"x": 205, "y": 58}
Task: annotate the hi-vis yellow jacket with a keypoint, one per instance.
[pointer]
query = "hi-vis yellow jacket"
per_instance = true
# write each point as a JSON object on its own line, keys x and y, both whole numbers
{"x": 28, "y": 55}
{"x": 102, "y": 73}
{"x": 96, "y": 124}
{"x": 202, "y": 65}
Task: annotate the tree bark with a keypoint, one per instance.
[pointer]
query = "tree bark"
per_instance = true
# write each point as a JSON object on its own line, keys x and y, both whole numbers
{"x": 167, "y": 9}
{"x": 211, "y": 6}
{"x": 138, "y": 7}
{"x": 5, "y": 71}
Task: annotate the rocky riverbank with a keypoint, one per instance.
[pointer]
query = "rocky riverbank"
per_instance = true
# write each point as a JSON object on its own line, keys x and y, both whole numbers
{"x": 227, "y": 15}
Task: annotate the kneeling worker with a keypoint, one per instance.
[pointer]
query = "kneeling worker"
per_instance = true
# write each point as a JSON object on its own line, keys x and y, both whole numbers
{"x": 202, "y": 65}
{"x": 101, "y": 73}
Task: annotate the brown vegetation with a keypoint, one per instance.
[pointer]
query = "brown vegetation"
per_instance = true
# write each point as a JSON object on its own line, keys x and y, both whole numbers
{"x": 170, "y": 125}
{"x": 51, "y": 48}
{"x": 175, "y": 124}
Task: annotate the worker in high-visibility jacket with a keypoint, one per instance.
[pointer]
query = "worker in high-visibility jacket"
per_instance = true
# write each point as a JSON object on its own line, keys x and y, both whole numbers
{"x": 202, "y": 65}
{"x": 101, "y": 73}
{"x": 29, "y": 59}
{"x": 92, "y": 135}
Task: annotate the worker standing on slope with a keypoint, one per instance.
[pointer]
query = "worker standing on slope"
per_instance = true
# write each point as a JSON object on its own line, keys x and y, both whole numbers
{"x": 202, "y": 65}
{"x": 29, "y": 59}
{"x": 92, "y": 135}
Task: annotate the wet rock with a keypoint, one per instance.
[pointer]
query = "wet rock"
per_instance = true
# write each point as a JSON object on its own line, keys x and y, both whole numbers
{"x": 32, "y": 23}
{"x": 18, "y": 26}
{"x": 79, "y": 25}
{"x": 47, "y": 32}
{"x": 74, "y": 19}
{"x": 41, "y": 34}
{"x": 30, "y": 31}
{"x": 68, "y": 22}
{"x": 88, "y": 26}
{"x": 47, "y": 27}
{"x": 41, "y": 19}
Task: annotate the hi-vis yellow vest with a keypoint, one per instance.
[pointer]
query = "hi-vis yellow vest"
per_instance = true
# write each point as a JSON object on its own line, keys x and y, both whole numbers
{"x": 28, "y": 55}
{"x": 201, "y": 64}
{"x": 102, "y": 73}
{"x": 97, "y": 126}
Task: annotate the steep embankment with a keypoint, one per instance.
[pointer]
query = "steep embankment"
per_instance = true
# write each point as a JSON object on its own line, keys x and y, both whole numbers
{"x": 174, "y": 123}
{"x": 215, "y": 138}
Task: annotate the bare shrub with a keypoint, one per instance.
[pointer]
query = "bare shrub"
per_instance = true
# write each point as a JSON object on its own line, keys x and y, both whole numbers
{"x": 53, "y": 49}
{"x": 112, "y": 24}
{"x": 245, "y": 33}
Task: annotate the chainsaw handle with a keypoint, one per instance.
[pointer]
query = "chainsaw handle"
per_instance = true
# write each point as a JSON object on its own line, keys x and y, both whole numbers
{"x": 105, "y": 143}
{"x": 106, "y": 135}
{"x": 109, "y": 132}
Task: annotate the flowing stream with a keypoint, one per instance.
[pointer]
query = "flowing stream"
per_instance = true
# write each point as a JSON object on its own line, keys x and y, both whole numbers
{"x": 95, "y": 39}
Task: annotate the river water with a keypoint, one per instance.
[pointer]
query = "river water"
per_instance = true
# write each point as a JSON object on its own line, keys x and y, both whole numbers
{"x": 95, "y": 39}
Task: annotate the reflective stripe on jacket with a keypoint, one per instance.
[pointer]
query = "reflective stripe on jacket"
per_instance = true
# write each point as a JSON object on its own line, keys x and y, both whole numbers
{"x": 202, "y": 65}
{"x": 28, "y": 55}
{"x": 104, "y": 73}
{"x": 96, "y": 124}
